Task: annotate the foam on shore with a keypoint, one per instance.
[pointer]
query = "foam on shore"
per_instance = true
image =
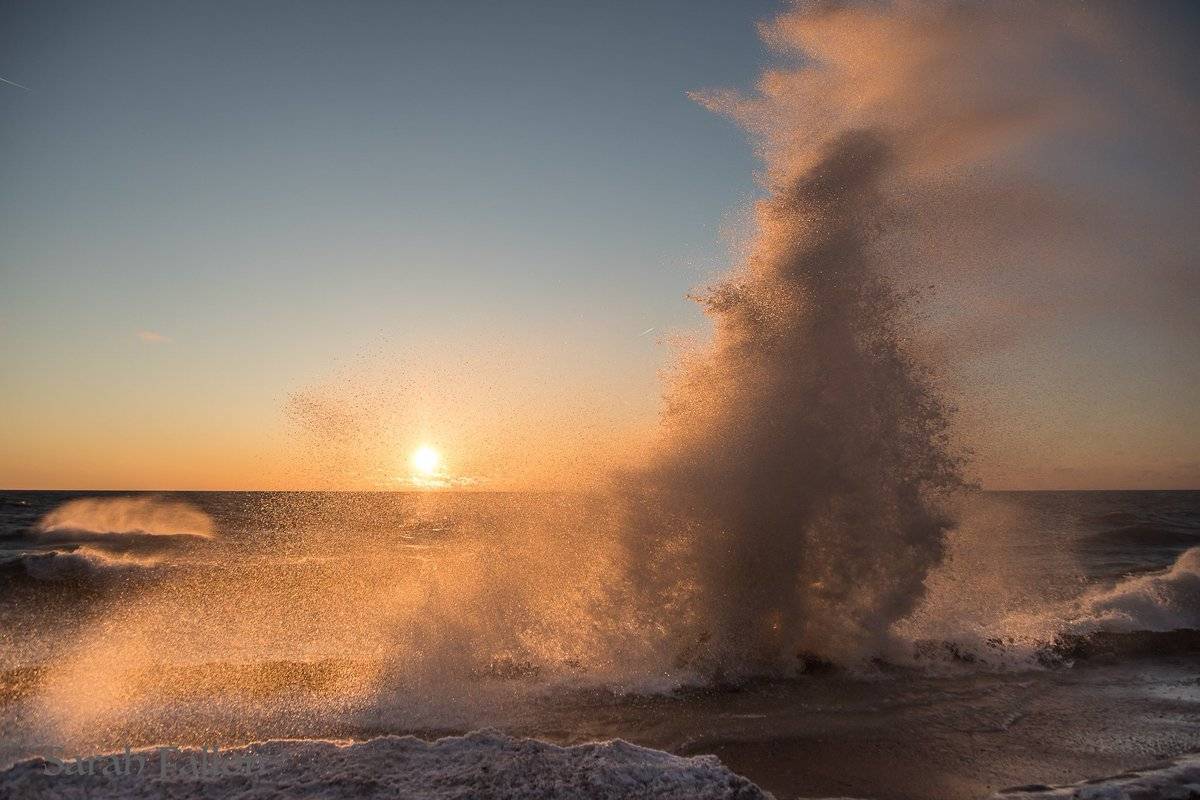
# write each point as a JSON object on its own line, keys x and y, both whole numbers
{"x": 483, "y": 764}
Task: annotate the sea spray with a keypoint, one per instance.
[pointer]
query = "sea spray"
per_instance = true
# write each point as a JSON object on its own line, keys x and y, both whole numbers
{"x": 795, "y": 488}
{"x": 796, "y": 502}
{"x": 148, "y": 515}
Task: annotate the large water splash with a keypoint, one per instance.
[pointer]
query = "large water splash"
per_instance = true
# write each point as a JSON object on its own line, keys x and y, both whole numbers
{"x": 794, "y": 496}
{"x": 794, "y": 506}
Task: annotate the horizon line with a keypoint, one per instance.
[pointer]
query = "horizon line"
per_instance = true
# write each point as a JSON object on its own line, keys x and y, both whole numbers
{"x": 461, "y": 490}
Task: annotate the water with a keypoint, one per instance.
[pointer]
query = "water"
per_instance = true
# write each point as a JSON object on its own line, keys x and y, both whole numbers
{"x": 1053, "y": 643}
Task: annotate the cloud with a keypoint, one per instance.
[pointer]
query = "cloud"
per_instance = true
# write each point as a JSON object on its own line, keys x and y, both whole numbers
{"x": 14, "y": 83}
{"x": 439, "y": 481}
{"x": 152, "y": 337}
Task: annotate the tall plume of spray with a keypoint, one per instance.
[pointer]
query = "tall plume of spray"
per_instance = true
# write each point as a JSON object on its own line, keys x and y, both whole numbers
{"x": 806, "y": 446}
{"x": 794, "y": 506}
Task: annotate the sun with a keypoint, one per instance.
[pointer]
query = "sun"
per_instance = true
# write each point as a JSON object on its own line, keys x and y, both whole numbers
{"x": 425, "y": 460}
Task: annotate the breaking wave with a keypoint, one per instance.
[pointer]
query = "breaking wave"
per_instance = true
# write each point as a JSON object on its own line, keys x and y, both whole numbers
{"x": 93, "y": 544}
{"x": 82, "y": 566}
{"x": 1020, "y": 617}
{"x": 126, "y": 515}
{"x": 1161, "y": 601}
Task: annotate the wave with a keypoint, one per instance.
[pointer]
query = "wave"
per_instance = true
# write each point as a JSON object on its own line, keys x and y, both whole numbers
{"x": 150, "y": 516}
{"x": 81, "y": 566}
{"x": 123, "y": 542}
{"x": 1161, "y": 601}
{"x": 1151, "y": 614}
{"x": 94, "y": 541}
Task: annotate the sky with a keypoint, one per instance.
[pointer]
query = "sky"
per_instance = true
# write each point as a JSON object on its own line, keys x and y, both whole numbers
{"x": 281, "y": 245}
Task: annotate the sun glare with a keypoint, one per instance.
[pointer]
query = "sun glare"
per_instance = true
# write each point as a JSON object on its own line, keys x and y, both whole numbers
{"x": 425, "y": 460}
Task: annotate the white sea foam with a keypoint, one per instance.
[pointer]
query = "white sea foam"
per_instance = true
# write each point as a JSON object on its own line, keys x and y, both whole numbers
{"x": 483, "y": 764}
{"x": 1161, "y": 601}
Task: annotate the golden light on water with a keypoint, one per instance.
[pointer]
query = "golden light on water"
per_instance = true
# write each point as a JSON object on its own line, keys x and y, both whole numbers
{"x": 425, "y": 461}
